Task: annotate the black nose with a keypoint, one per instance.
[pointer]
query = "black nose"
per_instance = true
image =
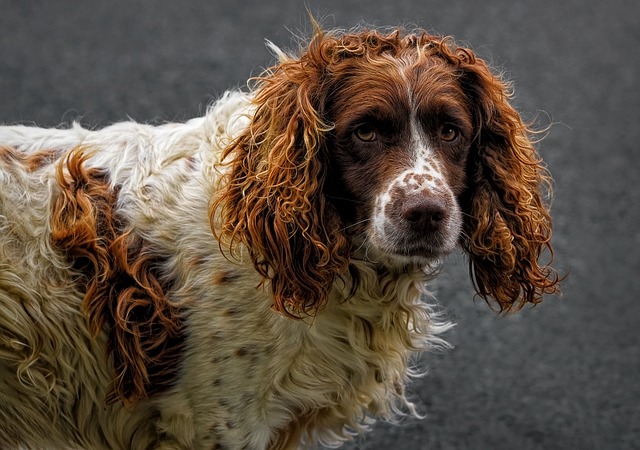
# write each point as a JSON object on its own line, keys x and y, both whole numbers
{"x": 424, "y": 214}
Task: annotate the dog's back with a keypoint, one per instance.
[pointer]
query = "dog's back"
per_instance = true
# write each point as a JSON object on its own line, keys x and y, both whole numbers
{"x": 54, "y": 373}
{"x": 55, "y": 360}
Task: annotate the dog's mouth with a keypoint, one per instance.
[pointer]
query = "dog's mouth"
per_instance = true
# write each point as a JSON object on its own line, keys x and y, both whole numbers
{"x": 423, "y": 251}
{"x": 420, "y": 252}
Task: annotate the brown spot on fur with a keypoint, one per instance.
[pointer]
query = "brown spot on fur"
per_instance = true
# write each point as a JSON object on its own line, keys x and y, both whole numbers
{"x": 417, "y": 180}
{"x": 216, "y": 337}
{"x": 224, "y": 277}
{"x": 192, "y": 163}
{"x": 231, "y": 312}
{"x": 219, "y": 359}
{"x": 41, "y": 159}
{"x": 29, "y": 161}
{"x": 196, "y": 261}
{"x": 124, "y": 291}
{"x": 9, "y": 156}
{"x": 242, "y": 351}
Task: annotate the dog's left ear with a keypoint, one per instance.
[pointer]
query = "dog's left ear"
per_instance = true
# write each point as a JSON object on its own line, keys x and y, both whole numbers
{"x": 271, "y": 197}
{"x": 507, "y": 227}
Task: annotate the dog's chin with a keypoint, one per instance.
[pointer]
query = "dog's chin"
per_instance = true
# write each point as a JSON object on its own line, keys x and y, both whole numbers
{"x": 407, "y": 255}
{"x": 423, "y": 257}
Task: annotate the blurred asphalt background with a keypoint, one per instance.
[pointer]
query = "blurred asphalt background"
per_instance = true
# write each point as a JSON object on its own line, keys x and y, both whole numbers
{"x": 563, "y": 375}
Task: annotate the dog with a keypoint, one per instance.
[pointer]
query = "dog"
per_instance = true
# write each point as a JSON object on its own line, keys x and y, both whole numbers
{"x": 255, "y": 278}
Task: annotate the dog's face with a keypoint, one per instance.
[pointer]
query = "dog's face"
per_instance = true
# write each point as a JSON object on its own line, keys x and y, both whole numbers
{"x": 397, "y": 156}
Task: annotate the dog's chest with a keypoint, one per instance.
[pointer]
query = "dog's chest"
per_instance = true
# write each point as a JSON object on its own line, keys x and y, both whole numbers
{"x": 250, "y": 374}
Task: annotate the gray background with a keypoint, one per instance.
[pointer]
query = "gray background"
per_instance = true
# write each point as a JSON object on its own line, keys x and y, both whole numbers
{"x": 563, "y": 375}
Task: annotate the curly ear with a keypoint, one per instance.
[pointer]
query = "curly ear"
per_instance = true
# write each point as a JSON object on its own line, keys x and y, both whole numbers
{"x": 507, "y": 226}
{"x": 270, "y": 198}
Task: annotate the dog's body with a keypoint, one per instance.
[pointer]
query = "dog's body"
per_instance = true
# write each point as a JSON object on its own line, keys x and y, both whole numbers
{"x": 247, "y": 371}
{"x": 125, "y": 324}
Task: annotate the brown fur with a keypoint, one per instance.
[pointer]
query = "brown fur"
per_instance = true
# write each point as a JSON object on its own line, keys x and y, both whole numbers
{"x": 273, "y": 202}
{"x": 508, "y": 226}
{"x": 31, "y": 162}
{"x": 122, "y": 289}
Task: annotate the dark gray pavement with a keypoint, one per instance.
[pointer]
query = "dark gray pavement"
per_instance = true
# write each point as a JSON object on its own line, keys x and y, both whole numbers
{"x": 564, "y": 375}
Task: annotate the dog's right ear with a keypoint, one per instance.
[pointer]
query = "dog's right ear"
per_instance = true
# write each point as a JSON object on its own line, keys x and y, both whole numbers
{"x": 270, "y": 197}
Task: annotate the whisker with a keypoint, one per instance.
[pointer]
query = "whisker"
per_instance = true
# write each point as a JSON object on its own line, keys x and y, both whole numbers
{"x": 362, "y": 244}
{"x": 355, "y": 224}
{"x": 350, "y": 200}
{"x": 465, "y": 214}
{"x": 465, "y": 235}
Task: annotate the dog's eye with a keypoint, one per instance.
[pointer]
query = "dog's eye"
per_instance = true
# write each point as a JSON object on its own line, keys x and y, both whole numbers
{"x": 365, "y": 133}
{"x": 449, "y": 133}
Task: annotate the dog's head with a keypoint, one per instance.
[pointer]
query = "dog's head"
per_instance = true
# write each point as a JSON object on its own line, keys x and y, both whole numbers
{"x": 392, "y": 147}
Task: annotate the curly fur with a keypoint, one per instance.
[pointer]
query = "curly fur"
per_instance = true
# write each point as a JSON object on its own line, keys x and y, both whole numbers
{"x": 508, "y": 226}
{"x": 273, "y": 192}
{"x": 117, "y": 274}
{"x": 249, "y": 279}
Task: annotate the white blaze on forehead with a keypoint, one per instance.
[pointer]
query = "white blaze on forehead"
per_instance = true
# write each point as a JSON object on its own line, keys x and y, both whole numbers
{"x": 420, "y": 148}
{"x": 419, "y": 142}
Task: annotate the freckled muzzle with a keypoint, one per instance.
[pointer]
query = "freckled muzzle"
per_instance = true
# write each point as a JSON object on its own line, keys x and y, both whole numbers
{"x": 417, "y": 216}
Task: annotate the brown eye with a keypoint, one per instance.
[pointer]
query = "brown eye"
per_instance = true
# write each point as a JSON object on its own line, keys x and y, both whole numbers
{"x": 365, "y": 133}
{"x": 449, "y": 133}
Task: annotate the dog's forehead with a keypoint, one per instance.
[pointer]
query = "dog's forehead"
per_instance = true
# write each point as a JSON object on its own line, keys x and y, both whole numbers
{"x": 394, "y": 86}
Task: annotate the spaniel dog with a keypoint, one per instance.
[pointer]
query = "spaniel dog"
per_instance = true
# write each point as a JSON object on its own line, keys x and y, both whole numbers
{"x": 254, "y": 278}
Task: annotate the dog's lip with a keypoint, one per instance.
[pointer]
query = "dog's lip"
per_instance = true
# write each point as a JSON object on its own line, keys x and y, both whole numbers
{"x": 422, "y": 255}
{"x": 418, "y": 253}
{"x": 429, "y": 247}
